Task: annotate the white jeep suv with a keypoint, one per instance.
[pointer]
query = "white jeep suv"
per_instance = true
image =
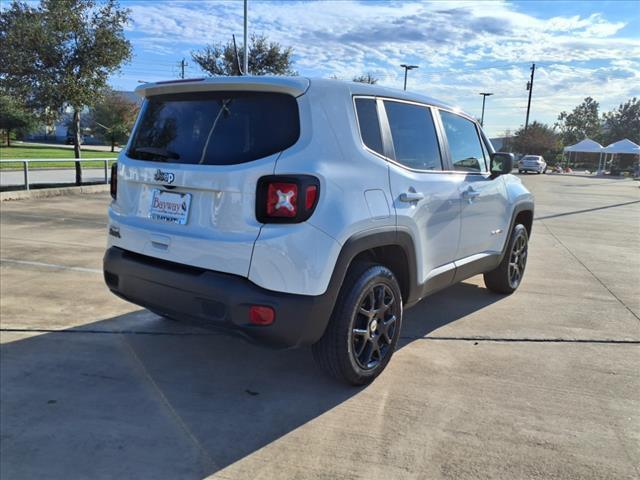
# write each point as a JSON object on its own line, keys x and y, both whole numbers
{"x": 299, "y": 211}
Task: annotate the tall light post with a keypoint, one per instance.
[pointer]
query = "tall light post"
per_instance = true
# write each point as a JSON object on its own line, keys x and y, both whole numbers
{"x": 484, "y": 97}
{"x": 246, "y": 45}
{"x": 406, "y": 69}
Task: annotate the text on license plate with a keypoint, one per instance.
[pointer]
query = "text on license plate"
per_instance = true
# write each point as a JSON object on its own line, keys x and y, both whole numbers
{"x": 170, "y": 206}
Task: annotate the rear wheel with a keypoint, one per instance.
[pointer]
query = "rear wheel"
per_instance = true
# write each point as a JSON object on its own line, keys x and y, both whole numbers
{"x": 506, "y": 278}
{"x": 364, "y": 328}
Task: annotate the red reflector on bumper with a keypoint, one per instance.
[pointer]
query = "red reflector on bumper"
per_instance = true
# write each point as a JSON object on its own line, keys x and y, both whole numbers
{"x": 261, "y": 315}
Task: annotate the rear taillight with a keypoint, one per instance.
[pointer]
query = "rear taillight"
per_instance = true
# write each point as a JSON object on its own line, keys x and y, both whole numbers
{"x": 282, "y": 199}
{"x": 286, "y": 199}
{"x": 113, "y": 186}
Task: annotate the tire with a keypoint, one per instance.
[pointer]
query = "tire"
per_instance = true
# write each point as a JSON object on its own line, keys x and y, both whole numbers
{"x": 520, "y": 171}
{"x": 361, "y": 336}
{"x": 507, "y": 277}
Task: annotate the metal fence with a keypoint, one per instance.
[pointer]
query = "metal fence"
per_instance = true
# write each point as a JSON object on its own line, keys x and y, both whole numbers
{"x": 26, "y": 161}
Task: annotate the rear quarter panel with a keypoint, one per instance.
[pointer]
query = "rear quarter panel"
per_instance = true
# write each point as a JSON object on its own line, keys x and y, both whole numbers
{"x": 354, "y": 196}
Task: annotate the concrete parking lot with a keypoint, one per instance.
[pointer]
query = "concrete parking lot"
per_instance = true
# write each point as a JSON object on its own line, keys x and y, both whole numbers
{"x": 541, "y": 384}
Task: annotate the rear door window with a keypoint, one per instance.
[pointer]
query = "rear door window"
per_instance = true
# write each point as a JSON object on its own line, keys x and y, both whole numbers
{"x": 369, "y": 124}
{"x": 414, "y": 135}
{"x": 215, "y": 128}
{"x": 464, "y": 143}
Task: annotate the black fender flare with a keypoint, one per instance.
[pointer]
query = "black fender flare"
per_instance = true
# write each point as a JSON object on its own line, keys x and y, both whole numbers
{"x": 367, "y": 240}
{"x": 524, "y": 206}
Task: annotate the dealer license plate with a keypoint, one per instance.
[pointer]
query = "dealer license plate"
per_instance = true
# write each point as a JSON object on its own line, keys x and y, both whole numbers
{"x": 170, "y": 207}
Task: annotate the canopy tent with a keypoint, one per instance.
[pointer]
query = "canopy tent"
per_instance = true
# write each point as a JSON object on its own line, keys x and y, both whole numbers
{"x": 585, "y": 146}
{"x": 625, "y": 146}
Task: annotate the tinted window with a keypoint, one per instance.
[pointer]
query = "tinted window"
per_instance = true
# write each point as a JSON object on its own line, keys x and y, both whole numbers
{"x": 464, "y": 143}
{"x": 369, "y": 125}
{"x": 215, "y": 128}
{"x": 414, "y": 136}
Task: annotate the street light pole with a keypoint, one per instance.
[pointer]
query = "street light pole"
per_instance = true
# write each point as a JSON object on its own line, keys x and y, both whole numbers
{"x": 406, "y": 69}
{"x": 484, "y": 97}
{"x": 246, "y": 45}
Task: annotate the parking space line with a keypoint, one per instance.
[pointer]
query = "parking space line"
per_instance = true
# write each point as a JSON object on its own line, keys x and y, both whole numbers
{"x": 52, "y": 242}
{"x": 49, "y": 265}
{"x": 470, "y": 338}
{"x": 588, "y": 269}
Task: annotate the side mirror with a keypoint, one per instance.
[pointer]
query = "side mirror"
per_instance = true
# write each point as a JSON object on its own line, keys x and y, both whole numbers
{"x": 501, "y": 163}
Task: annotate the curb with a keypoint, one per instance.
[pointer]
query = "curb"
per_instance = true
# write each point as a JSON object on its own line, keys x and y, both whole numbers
{"x": 52, "y": 192}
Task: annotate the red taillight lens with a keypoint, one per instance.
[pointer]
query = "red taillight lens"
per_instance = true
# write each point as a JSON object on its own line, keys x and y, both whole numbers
{"x": 261, "y": 315}
{"x": 113, "y": 185}
{"x": 311, "y": 196}
{"x": 282, "y": 199}
{"x": 286, "y": 198}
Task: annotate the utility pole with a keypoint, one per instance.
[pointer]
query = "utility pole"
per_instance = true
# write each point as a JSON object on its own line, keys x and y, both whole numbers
{"x": 484, "y": 97}
{"x": 182, "y": 65}
{"x": 406, "y": 69}
{"x": 530, "y": 88}
{"x": 246, "y": 45}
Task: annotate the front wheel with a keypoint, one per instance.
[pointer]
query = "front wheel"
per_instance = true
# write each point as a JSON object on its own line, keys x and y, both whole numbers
{"x": 506, "y": 278}
{"x": 364, "y": 328}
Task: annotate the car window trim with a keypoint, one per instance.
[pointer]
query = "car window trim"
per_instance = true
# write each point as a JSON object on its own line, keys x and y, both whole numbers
{"x": 442, "y": 139}
{"x": 387, "y": 142}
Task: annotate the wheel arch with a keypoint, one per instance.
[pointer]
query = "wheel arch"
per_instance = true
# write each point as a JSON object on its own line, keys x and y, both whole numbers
{"x": 522, "y": 213}
{"x": 386, "y": 246}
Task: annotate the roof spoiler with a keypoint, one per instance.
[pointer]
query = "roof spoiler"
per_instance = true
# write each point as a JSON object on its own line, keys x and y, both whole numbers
{"x": 295, "y": 86}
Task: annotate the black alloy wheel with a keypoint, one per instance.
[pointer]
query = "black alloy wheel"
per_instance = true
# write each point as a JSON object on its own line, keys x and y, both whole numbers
{"x": 374, "y": 326}
{"x": 517, "y": 261}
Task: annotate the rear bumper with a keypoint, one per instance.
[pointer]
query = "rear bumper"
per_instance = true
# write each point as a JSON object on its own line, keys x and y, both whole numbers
{"x": 531, "y": 168}
{"x": 215, "y": 299}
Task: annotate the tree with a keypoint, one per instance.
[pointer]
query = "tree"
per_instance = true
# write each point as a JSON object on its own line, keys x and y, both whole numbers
{"x": 113, "y": 117}
{"x": 62, "y": 52}
{"x": 624, "y": 122}
{"x": 581, "y": 123}
{"x": 366, "y": 78}
{"x": 265, "y": 58}
{"x": 538, "y": 139}
{"x": 14, "y": 116}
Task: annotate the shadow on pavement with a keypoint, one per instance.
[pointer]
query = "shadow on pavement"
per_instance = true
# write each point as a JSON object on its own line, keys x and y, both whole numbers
{"x": 166, "y": 402}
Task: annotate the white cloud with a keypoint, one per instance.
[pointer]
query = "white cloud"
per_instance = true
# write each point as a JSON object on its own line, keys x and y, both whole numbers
{"x": 347, "y": 38}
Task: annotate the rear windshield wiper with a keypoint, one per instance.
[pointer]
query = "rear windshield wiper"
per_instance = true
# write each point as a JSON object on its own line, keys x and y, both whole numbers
{"x": 156, "y": 152}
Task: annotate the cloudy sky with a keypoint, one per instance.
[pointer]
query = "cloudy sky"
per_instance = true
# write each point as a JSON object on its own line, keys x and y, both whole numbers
{"x": 580, "y": 48}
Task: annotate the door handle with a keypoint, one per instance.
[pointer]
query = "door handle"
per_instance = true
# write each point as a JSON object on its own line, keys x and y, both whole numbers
{"x": 470, "y": 193}
{"x": 411, "y": 197}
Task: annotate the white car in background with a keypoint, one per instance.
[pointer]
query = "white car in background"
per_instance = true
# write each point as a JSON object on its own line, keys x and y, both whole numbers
{"x": 532, "y": 163}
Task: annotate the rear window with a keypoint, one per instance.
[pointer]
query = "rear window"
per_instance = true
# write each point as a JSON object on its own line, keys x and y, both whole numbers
{"x": 215, "y": 128}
